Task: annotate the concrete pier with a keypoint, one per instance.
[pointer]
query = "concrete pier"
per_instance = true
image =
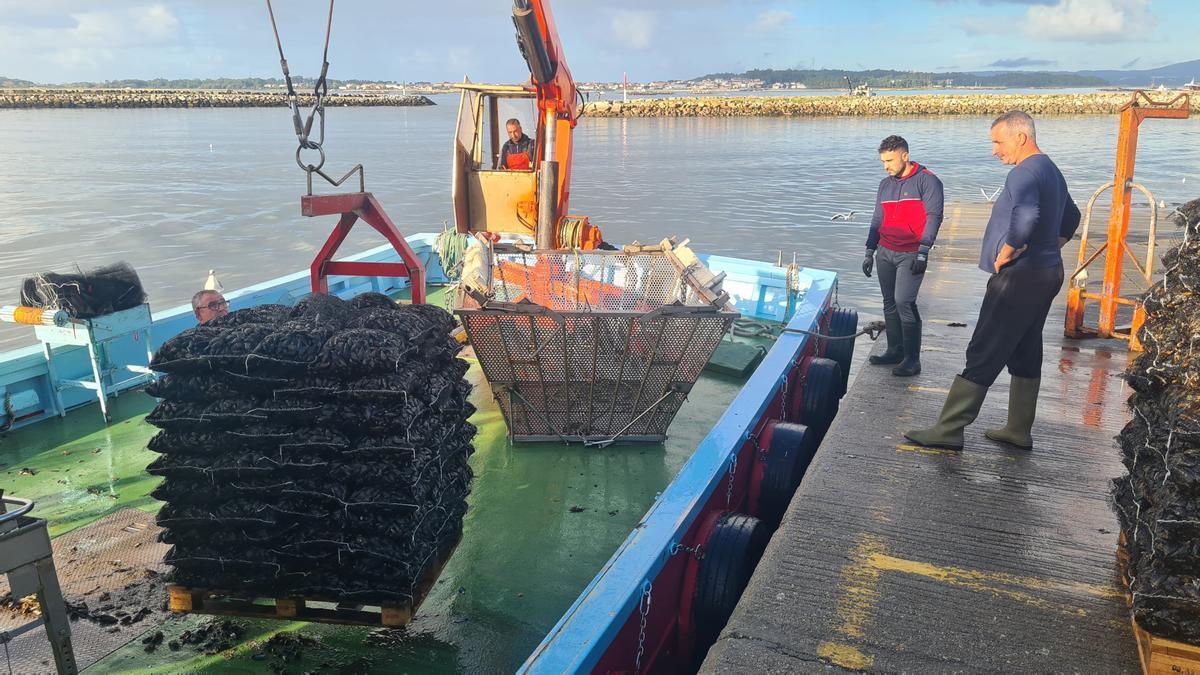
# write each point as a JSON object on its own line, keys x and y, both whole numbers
{"x": 898, "y": 558}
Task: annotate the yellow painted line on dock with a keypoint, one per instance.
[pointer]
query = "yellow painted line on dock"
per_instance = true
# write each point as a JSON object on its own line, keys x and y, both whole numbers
{"x": 859, "y": 593}
{"x": 937, "y": 390}
{"x": 941, "y": 350}
{"x": 844, "y": 656}
{"x": 922, "y": 450}
{"x": 1010, "y": 586}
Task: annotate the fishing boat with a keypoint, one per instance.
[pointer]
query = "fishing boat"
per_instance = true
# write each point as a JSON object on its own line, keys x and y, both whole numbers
{"x": 680, "y": 517}
{"x": 721, "y": 470}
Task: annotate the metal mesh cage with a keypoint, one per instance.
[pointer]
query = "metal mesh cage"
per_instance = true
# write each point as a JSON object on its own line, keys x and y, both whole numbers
{"x": 594, "y": 346}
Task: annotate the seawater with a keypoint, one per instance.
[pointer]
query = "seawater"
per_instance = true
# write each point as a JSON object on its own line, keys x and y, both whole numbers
{"x": 177, "y": 192}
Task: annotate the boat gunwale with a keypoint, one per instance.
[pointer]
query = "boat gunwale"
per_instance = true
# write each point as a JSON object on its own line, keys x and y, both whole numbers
{"x": 580, "y": 637}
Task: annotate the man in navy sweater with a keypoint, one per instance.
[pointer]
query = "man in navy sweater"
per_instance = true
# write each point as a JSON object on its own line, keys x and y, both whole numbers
{"x": 908, "y": 213}
{"x": 1032, "y": 219}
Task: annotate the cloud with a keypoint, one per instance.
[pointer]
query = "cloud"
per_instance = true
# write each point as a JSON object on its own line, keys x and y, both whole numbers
{"x": 1090, "y": 21}
{"x": 771, "y": 21}
{"x": 136, "y": 26}
{"x": 1020, "y": 62}
{"x": 976, "y": 26}
{"x": 1003, "y": 2}
{"x": 633, "y": 28}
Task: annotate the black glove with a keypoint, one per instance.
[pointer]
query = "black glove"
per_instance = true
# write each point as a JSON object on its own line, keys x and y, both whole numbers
{"x": 921, "y": 261}
{"x": 869, "y": 262}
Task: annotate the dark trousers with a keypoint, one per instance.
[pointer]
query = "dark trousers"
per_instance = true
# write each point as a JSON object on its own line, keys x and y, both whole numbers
{"x": 1009, "y": 330}
{"x": 898, "y": 284}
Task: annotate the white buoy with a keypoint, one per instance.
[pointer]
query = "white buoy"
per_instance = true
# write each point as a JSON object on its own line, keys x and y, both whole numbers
{"x": 210, "y": 147}
{"x": 212, "y": 283}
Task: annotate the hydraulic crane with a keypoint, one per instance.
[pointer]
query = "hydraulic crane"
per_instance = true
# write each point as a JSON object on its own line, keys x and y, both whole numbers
{"x": 488, "y": 198}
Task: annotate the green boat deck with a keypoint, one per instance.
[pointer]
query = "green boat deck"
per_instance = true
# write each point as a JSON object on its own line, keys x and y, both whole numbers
{"x": 543, "y": 519}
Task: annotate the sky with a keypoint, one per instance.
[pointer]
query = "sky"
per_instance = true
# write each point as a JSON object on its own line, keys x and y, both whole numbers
{"x": 56, "y": 41}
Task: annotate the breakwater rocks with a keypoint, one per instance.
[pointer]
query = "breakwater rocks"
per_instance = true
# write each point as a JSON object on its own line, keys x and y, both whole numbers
{"x": 184, "y": 98}
{"x": 881, "y": 106}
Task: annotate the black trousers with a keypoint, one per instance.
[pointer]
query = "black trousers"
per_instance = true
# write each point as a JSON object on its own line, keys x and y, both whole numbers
{"x": 1009, "y": 330}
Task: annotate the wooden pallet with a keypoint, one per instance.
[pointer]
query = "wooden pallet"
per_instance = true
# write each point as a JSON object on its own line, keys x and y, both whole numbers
{"x": 184, "y": 600}
{"x": 1159, "y": 656}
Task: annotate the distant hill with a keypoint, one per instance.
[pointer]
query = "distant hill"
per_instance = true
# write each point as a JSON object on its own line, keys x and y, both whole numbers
{"x": 9, "y": 82}
{"x": 1172, "y": 75}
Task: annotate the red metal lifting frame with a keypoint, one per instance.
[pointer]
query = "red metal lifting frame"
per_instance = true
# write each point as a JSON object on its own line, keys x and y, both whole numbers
{"x": 1140, "y": 107}
{"x": 353, "y": 206}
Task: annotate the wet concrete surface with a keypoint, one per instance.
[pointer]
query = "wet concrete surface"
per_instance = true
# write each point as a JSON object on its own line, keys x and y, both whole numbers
{"x": 897, "y": 558}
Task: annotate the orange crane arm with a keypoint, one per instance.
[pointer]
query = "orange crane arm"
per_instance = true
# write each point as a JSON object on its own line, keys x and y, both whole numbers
{"x": 558, "y": 111}
{"x": 537, "y": 37}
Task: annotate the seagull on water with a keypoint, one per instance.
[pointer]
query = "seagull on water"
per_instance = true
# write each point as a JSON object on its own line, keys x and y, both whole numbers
{"x": 844, "y": 216}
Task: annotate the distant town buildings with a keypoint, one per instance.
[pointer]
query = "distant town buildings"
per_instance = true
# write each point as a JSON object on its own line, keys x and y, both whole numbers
{"x": 590, "y": 89}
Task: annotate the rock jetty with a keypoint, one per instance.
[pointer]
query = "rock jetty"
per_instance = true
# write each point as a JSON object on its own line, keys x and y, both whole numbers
{"x": 184, "y": 98}
{"x": 879, "y": 106}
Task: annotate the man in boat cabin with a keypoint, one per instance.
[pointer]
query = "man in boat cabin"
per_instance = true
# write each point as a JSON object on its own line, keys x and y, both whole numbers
{"x": 209, "y": 305}
{"x": 1033, "y": 218}
{"x": 517, "y": 153}
{"x": 908, "y": 213}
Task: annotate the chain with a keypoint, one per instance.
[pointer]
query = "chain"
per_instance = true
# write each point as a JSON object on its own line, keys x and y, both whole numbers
{"x": 783, "y": 392}
{"x": 758, "y": 449}
{"x": 644, "y": 609}
{"x": 729, "y": 490}
{"x": 696, "y": 551}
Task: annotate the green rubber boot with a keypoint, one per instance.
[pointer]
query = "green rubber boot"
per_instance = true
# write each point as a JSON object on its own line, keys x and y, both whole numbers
{"x": 1022, "y": 407}
{"x": 960, "y": 409}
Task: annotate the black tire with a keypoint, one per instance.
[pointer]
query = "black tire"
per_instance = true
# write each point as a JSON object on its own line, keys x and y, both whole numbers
{"x": 819, "y": 399}
{"x": 787, "y": 456}
{"x": 730, "y": 555}
{"x": 843, "y": 323}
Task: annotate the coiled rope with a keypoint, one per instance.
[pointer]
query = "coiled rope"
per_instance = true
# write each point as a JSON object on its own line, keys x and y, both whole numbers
{"x": 451, "y": 247}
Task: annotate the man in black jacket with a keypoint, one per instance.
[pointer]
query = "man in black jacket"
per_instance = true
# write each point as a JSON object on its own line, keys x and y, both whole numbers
{"x": 1031, "y": 221}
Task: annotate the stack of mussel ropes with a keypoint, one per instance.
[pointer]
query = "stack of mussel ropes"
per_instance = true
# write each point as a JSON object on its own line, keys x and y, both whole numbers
{"x": 1158, "y": 502}
{"x": 318, "y": 450}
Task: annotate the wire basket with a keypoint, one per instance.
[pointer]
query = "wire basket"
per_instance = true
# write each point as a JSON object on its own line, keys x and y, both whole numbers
{"x": 594, "y": 347}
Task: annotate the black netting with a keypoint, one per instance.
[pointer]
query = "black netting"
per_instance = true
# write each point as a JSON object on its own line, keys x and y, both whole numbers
{"x": 319, "y": 450}
{"x": 84, "y": 295}
{"x": 1158, "y": 501}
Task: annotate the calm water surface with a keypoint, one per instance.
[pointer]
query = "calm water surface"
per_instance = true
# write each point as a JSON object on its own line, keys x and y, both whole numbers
{"x": 179, "y": 192}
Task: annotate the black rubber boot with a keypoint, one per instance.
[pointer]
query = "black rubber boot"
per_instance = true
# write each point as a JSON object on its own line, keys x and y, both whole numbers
{"x": 911, "y": 365}
{"x": 895, "y": 342}
{"x": 960, "y": 409}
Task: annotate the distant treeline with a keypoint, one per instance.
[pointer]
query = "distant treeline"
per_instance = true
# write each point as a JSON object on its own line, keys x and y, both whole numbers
{"x": 302, "y": 84}
{"x": 835, "y": 79}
